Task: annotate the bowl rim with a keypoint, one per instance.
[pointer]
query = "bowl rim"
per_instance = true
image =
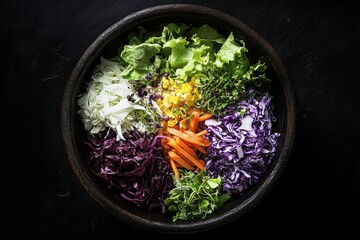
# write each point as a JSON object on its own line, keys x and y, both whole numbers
{"x": 208, "y": 223}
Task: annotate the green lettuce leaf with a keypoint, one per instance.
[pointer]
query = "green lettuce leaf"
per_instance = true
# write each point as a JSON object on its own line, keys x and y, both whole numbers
{"x": 138, "y": 57}
{"x": 256, "y": 74}
{"x": 219, "y": 65}
{"x": 180, "y": 54}
{"x": 206, "y": 35}
{"x": 169, "y": 32}
{"x": 138, "y": 36}
{"x": 232, "y": 57}
{"x": 199, "y": 64}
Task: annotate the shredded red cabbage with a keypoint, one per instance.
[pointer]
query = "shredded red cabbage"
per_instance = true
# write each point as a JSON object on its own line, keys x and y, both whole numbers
{"x": 136, "y": 168}
{"x": 242, "y": 142}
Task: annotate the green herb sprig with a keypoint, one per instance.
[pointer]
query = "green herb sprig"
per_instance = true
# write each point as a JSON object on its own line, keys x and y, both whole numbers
{"x": 195, "y": 195}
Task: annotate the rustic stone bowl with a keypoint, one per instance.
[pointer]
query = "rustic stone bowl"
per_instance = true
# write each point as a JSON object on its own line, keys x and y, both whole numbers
{"x": 107, "y": 45}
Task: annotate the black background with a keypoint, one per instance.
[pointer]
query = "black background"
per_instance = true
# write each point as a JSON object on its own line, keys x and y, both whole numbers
{"x": 319, "y": 194}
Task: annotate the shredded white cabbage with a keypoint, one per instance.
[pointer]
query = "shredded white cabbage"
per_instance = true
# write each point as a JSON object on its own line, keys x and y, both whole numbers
{"x": 105, "y": 103}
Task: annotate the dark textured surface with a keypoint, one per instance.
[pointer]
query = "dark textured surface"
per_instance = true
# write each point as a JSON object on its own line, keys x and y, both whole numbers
{"x": 319, "y": 194}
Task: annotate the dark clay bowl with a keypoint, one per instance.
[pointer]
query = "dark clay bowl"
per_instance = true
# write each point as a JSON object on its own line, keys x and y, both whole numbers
{"x": 107, "y": 45}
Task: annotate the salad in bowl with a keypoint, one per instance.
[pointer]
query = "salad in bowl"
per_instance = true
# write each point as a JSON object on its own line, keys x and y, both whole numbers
{"x": 179, "y": 120}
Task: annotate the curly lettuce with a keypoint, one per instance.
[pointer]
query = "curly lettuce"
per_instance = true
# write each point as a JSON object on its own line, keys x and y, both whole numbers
{"x": 219, "y": 65}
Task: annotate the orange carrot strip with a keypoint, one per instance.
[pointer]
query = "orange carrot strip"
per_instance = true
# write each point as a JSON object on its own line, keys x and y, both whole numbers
{"x": 194, "y": 121}
{"x": 202, "y": 162}
{"x": 180, "y": 161}
{"x": 204, "y": 117}
{"x": 172, "y": 143}
{"x": 176, "y": 171}
{"x": 164, "y": 144}
{"x": 203, "y": 132}
{"x": 199, "y": 148}
{"x": 204, "y": 141}
{"x": 184, "y": 123}
{"x": 185, "y": 147}
{"x": 190, "y": 145}
{"x": 193, "y": 135}
{"x": 186, "y": 137}
{"x": 183, "y": 157}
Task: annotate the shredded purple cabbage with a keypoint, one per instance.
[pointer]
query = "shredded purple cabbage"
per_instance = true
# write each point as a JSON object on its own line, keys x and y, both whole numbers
{"x": 242, "y": 142}
{"x": 136, "y": 168}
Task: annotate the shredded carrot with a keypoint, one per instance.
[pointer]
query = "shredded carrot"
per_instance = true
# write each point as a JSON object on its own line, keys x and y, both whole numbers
{"x": 204, "y": 117}
{"x": 186, "y": 137}
{"x": 198, "y": 169}
{"x": 194, "y": 121}
{"x": 183, "y": 157}
{"x": 175, "y": 169}
{"x": 190, "y": 145}
{"x": 164, "y": 144}
{"x": 204, "y": 142}
{"x": 180, "y": 161}
{"x": 199, "y": 148}
{"x": 184, "y": 123}
{"x": 185, "y": 140}
{"x": 185, "y": 147}
{"x": 203, "y": 132}
{"x": 173, "y": 144}
{"x": 194, "y": 135}
{"x": 202, "y": 162}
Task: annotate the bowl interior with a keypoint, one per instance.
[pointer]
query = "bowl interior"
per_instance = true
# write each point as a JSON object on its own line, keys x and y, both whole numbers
{"x": 107, "y": 45}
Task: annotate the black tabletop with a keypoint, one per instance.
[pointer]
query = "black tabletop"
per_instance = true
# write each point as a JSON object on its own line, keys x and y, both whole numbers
{"x": 319, "y": 193}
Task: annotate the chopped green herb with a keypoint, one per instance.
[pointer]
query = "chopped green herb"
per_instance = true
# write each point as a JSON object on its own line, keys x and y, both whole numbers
{"x": 195, "y": 195}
